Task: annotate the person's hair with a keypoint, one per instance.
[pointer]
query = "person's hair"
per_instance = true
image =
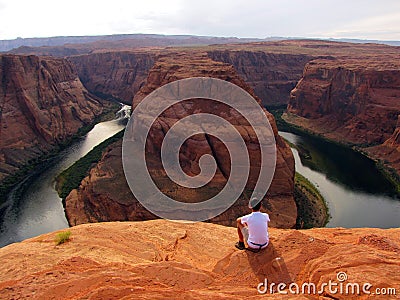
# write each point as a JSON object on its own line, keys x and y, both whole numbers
{"x": 257, "y": 207}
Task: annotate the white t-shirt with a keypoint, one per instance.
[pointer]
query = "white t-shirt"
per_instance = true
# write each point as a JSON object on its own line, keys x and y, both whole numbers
{"x": 257, "y": 223}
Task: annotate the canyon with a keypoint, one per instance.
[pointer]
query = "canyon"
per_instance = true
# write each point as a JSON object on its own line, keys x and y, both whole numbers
{"x": 353, "y": 101}
{"x": 329, "y": 91}
{"x": 43, "y": 104}
{"x": 344, "y": 92}
{"x": 271, "y": 75}
{"x": 118, "y": 74}
{"x": 105, "y": 196}
{"x": 335, "y": 95}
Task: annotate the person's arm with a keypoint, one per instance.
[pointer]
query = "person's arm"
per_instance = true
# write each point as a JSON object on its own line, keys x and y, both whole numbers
{"x": 242, "y": 221}
{"x": 240, "y": 226}
{"x": 239, "y": 223}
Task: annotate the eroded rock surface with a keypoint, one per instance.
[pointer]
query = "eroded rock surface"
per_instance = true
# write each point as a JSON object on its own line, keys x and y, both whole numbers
{"x": 271, "y": 75}
{"x": 97, "y": 193}
{"x": 160, "y": 259}
{"x": 353, "y": 101}
{"x": 117, "y": 74}
{"x": 42, "y": 104}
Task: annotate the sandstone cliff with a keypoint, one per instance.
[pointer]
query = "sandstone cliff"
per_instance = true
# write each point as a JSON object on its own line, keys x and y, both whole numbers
{"x": 115, "y": 74}
{"x": 120, "y": 74}
{"x": 104, "y": 194}
{"x": 166, "y": 260}
{"x": 42, "y": 104}
{"x": 352, "y": 100}
{"x": 389, "y": 152}
{"x": 271, "y": 75}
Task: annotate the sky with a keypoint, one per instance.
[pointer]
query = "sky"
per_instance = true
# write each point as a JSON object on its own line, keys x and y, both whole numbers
{"x": 362, "y": 19}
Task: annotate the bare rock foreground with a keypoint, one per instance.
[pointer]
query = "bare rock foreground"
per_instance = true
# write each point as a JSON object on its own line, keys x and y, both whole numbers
{"x": 159, "y": 259}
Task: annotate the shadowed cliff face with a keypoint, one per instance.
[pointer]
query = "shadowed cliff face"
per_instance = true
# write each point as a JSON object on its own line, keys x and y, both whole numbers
{"x": 42, "y": 104}
{"x": 271, "y": 75}
{"x": 106, "y": 187}
{"x": 389, "y": 151}
{"x": 355, "y": 101}
{"x": 120, "y": 74}
{"x": 116, "y": 74}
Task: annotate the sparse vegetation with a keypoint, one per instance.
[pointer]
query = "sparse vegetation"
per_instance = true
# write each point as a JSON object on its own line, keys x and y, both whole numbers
{"x": 312, "y": 209}
{"x": 283, "y": 125}
{"x": 71, "y": 178}
{"x": 386, "y": 171}
{"x": 390, "y": 174}
{"x": 62, "y": 237}
{"x": 39, "y": 164}
{"x": 311, "y": 206}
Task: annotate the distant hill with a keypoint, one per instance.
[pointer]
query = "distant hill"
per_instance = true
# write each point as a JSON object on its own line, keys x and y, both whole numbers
{"x": 358, "y": 41}
{"x": 148, "y": 39}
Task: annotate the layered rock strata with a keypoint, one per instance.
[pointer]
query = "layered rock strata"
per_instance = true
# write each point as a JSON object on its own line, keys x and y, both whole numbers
{"x": 271, "y": 75}
{"x": 353, "y": 101}
{"x": 116, "y": 74}
{"x": 42, "y": 104}
{"x": 106, "y": 187}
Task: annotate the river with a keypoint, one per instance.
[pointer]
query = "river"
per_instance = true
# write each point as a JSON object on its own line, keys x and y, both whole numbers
{"x": 40, "y": 209}
{"x": 355, "y": 191}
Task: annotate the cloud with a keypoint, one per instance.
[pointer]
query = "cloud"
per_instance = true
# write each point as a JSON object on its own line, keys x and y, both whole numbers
{"x": 243, "y": 18}
{"x": 262, "y": 18}
{"x": 385, "y": 26}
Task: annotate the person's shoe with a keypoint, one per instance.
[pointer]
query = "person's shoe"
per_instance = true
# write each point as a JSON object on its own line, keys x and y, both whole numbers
{"x": 240, "y": 245}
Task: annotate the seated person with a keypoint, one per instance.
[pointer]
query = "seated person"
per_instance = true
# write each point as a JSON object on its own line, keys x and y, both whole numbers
{"x": 253, "y": 227}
